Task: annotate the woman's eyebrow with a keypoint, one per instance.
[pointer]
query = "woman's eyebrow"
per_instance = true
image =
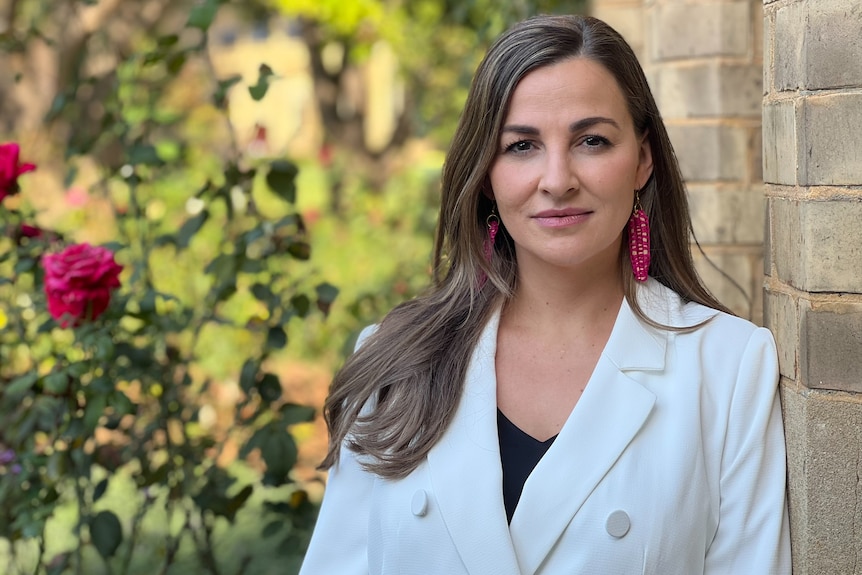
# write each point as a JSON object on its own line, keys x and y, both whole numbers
{"x": 574, "y": 127}
{"x": 592, "y": 121}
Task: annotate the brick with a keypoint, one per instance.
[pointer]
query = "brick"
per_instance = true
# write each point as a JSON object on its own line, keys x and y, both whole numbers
{"x": 789, "y": 49}
{"x": 830, "y": 143}
{"x": 711, "y": 152}
{"x": 757, "y": 27}
{"x": 815, "y": 244}
{"x": 780, "y": 315}
{"x": 831, "y": 346}
{"x": 833, "y": 41}
{"x": 785, "y": 240}
{"x": 709, "y": 89}
{"x": 626, "y": 19}
{"x": 768, "y": 41}
{"x": 734, "y": 277}
{"x": 767, "y": 245}
{"x": 695, "y": 30}
{"x": 756, "y": 155}
{"x": 727, "y": 216}
{"x": 824, "y": 439}
{"x": 779, "y": 142}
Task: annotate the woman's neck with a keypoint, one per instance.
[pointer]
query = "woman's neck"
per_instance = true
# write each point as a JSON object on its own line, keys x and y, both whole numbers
{"x": 543, "y": 297}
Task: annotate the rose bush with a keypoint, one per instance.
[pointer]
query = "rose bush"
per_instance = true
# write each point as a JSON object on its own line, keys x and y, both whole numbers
{"x": 79, "y": 281}
{"x": 143, "y": 420}
{"x": 11, "y": 168}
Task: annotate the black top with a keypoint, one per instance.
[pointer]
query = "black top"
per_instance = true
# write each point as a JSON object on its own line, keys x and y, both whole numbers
{"x": 519, "y": 454}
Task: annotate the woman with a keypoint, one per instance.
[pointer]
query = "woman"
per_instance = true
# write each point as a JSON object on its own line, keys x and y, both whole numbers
{"x": 546, "y": 408}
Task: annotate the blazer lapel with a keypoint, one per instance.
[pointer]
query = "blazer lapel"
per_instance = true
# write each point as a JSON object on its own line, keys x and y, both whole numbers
{"x": 466, "y": 474}
{"x": 611, "y": 411}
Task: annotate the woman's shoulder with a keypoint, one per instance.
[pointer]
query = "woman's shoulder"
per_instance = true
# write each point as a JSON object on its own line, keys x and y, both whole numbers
{"x": 710, "y": 322}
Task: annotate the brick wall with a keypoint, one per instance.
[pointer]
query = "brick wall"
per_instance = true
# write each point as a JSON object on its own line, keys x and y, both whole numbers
{"x": 812, "y": 166}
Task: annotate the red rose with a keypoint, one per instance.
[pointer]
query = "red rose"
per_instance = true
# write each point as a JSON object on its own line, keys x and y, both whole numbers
{"x": 28, "y": 231}
{"x": 10, "y": 169}
{"x": 79, "y": 281}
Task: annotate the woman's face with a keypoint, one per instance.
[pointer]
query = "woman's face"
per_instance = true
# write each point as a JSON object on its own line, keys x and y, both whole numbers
{"x": 568, "y": 163}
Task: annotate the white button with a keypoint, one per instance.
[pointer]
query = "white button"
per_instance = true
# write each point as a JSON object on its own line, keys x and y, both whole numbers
{"x": 618, "y": 524}
{"x": 419, "y": 505}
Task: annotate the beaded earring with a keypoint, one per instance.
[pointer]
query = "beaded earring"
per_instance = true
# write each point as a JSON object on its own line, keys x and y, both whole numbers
{"x": 493, "y": 223}
{"x": 639, "y": 248}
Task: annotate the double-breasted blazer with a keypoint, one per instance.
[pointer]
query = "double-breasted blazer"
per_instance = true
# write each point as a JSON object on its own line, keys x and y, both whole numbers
{"x": 671, "y": 463}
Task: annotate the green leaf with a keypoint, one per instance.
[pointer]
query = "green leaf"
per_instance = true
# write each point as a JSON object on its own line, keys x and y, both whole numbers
{"x": 202, "y": 15}
{"x": 56, "y": 382}
{"x": 121, "y": 404}
{"x": 301, "y": 304}
{"x": 293, "y": 413}
{"x": 167, "y": 41}
{"x": 269, "y": 388}
{"x": 224, "y": 86}
{"x": 21, "y": 384}
{"x": 272, "y": 528}
{"x": 281, "y": 179}
{"x": 276, "y": 338}
{"x": 100, "y": 489}
{"x": 326, "y": 294}
{"x": 262, "y": 293}
{"x": 24, "y": 265}
{"x": 248, "y": 375}
{"x": 106, "y": 533}
{"x": 299, "y": 250}
{"x": 148, "y": 302}
{"x": 144, "y": 154}
{"x": 237, "y": 501}
{"x": 279, "y": 452}
{"x": 258, "y": 91}
{"x": 190, "y": 227}
{"x": 175, "y": 63}
{"x": 93, "y": 412}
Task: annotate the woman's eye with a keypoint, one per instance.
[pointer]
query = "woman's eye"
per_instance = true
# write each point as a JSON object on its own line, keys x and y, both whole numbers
{"x": 595, "y": 141}
{"x": 519, "y": 147}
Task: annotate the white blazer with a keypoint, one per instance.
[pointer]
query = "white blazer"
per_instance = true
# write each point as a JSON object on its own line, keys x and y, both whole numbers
{"x": 671, "y": 463}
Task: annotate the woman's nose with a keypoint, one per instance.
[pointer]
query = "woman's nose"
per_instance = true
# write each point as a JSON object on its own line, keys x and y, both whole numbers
{"x": 559, "y": 174}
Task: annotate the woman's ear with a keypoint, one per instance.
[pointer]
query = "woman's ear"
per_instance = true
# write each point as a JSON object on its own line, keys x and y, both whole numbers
{"x": 645, "y": 166}
{"x": 487, "y": 190}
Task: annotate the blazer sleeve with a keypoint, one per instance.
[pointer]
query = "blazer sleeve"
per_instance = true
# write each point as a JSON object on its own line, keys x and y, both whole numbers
{"x": 753, "y": 534}
{"x": 340, "y": 540}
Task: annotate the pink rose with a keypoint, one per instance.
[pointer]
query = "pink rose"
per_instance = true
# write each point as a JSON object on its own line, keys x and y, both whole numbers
{"x": 79, "y": 281}
{"x": 10, "y": 169}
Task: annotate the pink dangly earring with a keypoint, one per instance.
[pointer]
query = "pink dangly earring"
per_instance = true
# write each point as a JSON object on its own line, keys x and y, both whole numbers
{"x": 639, "y": 251}
{"x": 493, "y": 226}
{"x": 488, "y": 244}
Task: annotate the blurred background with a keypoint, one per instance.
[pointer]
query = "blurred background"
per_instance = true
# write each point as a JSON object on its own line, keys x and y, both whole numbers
{"x": 134, "y": 111}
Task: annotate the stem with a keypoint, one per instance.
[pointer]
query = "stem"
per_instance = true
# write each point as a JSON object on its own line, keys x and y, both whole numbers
{"x": 207, "y": 554}
{"x": 41, "y": 551}
{"x": 173, "y": 544}
{"x": 136, "y": 524}
{"x": 79, "y": 548}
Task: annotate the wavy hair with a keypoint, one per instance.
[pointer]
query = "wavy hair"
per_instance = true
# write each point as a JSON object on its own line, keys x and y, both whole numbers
{"x": 395, "y": 397}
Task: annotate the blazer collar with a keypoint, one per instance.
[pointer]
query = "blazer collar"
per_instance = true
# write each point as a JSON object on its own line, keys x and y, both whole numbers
{"x": 465, "y": 464}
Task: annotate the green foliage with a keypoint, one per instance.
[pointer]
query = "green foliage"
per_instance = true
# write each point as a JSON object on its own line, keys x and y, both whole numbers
{"x": 132, "y": 398}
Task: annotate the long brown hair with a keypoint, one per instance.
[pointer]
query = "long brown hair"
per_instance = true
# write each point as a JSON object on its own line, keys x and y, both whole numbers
{"x": 395, "y": 397}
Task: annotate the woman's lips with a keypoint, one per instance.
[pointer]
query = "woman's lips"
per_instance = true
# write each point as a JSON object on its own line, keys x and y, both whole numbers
{"x": 561, "y": 218}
